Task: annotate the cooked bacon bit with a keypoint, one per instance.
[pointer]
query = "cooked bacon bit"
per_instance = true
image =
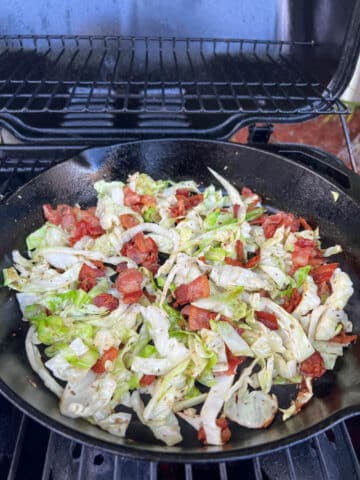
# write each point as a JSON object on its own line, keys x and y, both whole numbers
{"x": 88, "y": 276}
{"x": 342, "y": 337}
{"x": 55, "y": 216}
{"x": 259, "y": 220}
{"x": 198, "y": 317}
{"x": 268, "y": 319}
{"x": 75, "y": 221}
{"x": 264, "y": 293}
{"x": 304, "y": 224}
{"x": 273, "y": 222}
{"x": 239, "y": 250}
{"x": 323, "y": 273}
{"x": 236, "y": 210}
{"x": 313, "y": 366}
{"x": 106, "y": 300}
{"x": 231, "y": 261}
{"x": 143, "y": 251}
{"x": 202, "y": 259}
{"x": 147, "y": 380}
{"x": 136, "y": 201}
{"x": 291, "y": 303}
{"x": 185, "y": 201}
{"x": 150, "y": 297}
{"x": 108, "y": 355}
{"x": 129, "y": 283}
{"x": 121, "y": 267}
{"x": 247, "y": 192}
{"x": 233, "y": 363}
{"x": 98, "y": 264}
{"x": 254, "y": 260}
{"x": 225, "y": 431}
{"x": 128, "y": 221}
{"x": 188, "y": 292}
{"x": 324, "y": 289}
{"x": 303, "y": 396}
{"x": 201, "y": 435}
{"x": 306, "y": 253}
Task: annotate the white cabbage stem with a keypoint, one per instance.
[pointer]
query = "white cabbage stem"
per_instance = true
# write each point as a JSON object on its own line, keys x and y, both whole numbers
{"x": 150, "y": 227}
{"x": 233, "y": 194}
{"x": 37, "y": 365}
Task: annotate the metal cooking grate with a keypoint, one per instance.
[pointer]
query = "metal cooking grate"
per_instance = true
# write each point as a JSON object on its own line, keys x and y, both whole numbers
{"x": 137, "y": 74}
{"x": 73, "y": 78}
{"x": 331, "y": 455}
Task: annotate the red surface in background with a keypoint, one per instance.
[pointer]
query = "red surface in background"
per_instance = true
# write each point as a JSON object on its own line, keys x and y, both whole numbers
{"x": 324, "y": 132}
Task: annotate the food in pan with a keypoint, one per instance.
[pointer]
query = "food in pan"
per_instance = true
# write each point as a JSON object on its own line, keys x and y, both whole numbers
{"x": 165, "y": 301}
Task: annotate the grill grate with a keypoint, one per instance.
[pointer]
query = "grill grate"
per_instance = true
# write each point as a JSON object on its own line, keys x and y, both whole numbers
{"x": 330, "y": 454}
{"x": 66, "y": 79}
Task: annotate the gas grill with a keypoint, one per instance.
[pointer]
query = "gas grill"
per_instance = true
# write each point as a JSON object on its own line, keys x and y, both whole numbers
{"x": 148, "y": 76}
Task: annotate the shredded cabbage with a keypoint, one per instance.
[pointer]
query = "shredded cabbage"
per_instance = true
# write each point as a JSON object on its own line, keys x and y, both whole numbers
{"x": 114, "y": 319}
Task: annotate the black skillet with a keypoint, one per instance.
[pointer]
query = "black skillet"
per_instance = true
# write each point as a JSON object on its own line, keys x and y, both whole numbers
{"x": 283, "y": 184}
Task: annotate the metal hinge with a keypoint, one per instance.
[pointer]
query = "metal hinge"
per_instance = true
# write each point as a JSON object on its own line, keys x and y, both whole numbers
{"x": 260, "y": 133}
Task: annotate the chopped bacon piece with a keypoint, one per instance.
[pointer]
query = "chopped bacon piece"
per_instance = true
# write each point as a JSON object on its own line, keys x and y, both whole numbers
{"x": 198, "y": 317}
{"x": 273, "y": 222}
{"x": 108, "y": 355}
{"x": 247, "y": 192}
{"x": 291, "y": 303}
{"x": 201, "y": 434}
{"x": 304, "y": 224}
{"x": 303, "y": 396}
{"x": 129, "y": 283}
{"x": 233, "y": 363}
{"x": 136, "y": 201}
{"x": 143, "y": 251}
{"x": 225, "y": 431}
{"x": 324, "y": 289}
{"x": 55, "y": 215}
{"x": 239, "y": 250}
{"x": 94, "y": 229}
{"x": 231, "y": 261}
{"x": 147, "y": 380}
{"x": 313, "y": 366}
{"x": 306, "y": 253}
{"x": 106, "y": 300}
{"x": 268, "y": 319}
{"x": 75, "y": 221}
{"x": 254, "y": 260}
{"x": 98, "y": 264}
{"x": 236, "y": 210}
{"x": 343, "y": 338}
{"x": 88, "y": 276}
{"x": 264, "y": 293}
{"x": 188, "y": 292}
{"x": 128, "y": 221}
{"x": 121, "y": 267}
{"x": 259, "y": 220}
{"x": 185, "y": 201}
{"x": 323, "y": 273}
{"x": 150, "y": 297}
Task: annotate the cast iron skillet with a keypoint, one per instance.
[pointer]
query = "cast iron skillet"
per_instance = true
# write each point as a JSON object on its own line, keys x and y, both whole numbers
{"x": 283, "y": 184}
